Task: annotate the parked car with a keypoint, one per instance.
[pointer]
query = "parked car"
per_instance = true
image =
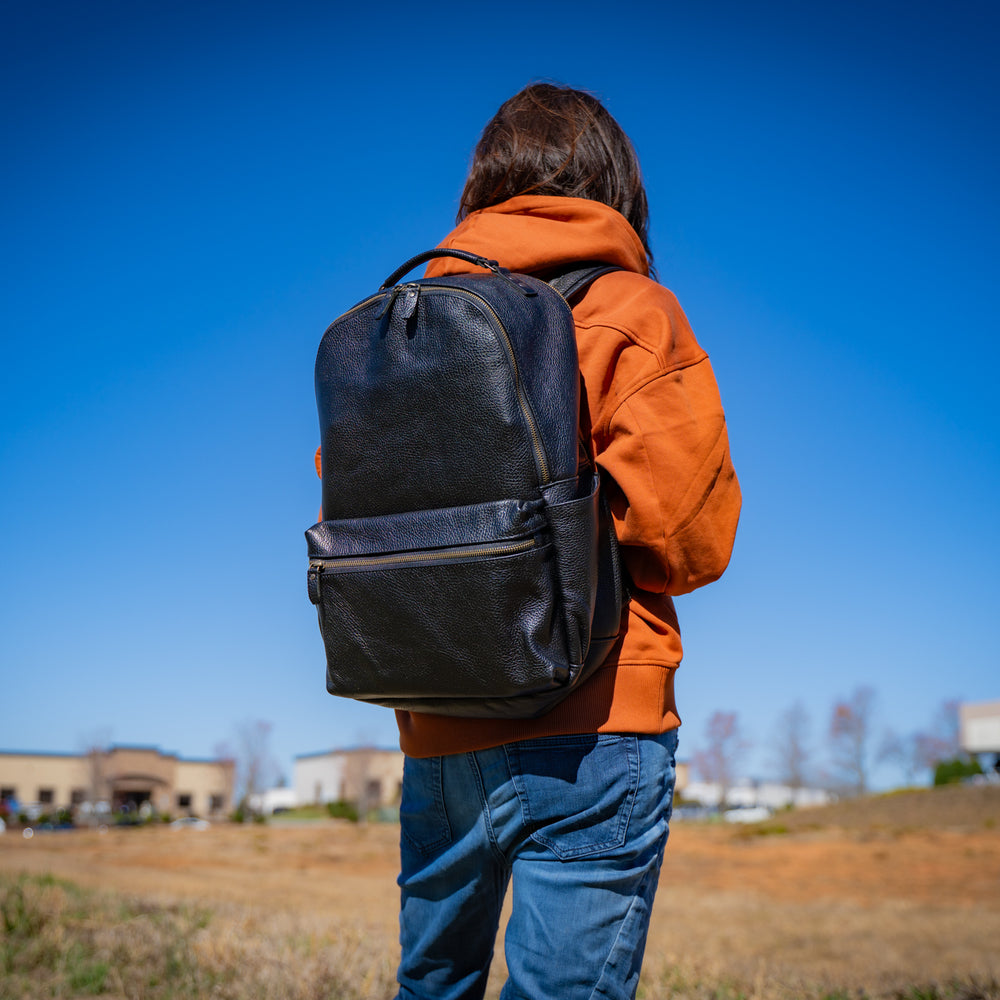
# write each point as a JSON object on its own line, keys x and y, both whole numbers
{"x": 747, "y": 814}
{"x": 190, "y": 823}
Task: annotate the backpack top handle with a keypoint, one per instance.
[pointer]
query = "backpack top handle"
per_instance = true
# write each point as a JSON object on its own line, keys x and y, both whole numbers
{"x": 471, "y": 258}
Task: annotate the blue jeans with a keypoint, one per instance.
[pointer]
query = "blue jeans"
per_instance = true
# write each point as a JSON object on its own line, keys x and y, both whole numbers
{"x": 578, "y": 823}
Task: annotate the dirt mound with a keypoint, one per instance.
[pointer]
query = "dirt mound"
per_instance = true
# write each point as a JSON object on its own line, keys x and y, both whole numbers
{"x": 951, "y": 807}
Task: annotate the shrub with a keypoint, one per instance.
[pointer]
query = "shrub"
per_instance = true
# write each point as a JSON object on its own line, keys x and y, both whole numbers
{"x": 342, "y": 810}
{"x": 958, "y": 769}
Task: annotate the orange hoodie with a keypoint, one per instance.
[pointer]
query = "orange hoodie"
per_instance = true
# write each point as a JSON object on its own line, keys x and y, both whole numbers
{"x": 660, "y": 437}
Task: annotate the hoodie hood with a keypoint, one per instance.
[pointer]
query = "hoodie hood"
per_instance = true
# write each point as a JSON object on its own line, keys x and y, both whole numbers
{"x": 534, "y": 232}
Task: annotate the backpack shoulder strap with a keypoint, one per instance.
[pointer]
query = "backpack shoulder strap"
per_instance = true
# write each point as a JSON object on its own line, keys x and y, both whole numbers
{"x": 613, "y": 581}
{"x": 572, "y": 281}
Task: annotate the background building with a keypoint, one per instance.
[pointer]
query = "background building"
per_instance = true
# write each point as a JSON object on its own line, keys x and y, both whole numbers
{"x": 367, "y": 777}
{"x": 121, "y": 778}
{"x": 979, "y": 726}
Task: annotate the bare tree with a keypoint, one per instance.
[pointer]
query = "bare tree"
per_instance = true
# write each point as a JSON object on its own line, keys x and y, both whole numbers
{"x": 225, "y": 761}
{"x": 922, "y": 751}
{"x": 901, "y": 751}
{"x": 94, "y": 749}
{"x": 718, "y": 763}
{"x": 791, "y": 750}
{"x": 255, "y": 767}
{"x": 943, "y": 742}
{"x": 850, "y": 740}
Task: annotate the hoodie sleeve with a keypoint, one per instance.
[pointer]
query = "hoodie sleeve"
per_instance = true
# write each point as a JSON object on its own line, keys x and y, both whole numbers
{"x": 673, "y": 490}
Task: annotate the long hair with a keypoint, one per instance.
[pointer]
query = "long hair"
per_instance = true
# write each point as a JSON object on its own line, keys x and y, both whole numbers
{"x": 554, "y": 140}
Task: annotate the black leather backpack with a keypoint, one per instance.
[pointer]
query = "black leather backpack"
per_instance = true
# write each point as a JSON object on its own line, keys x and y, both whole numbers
{"x": 456, "y": 568}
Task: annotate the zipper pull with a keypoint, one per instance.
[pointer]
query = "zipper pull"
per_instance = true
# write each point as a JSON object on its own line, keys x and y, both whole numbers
{"x": 408, "y": 305}
{"x": 389, "y": 301}
{"x": 312, "y": 579}
{"x": 410, "y": 293}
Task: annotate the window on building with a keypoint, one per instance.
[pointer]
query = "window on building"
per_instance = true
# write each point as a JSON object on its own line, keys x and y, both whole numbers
{"x": 8, "y": 793}
{"x": 216, "y": 803}
{"x": 184, "y": 801}
{"x": 373, "y": 792}
{"x": 77, "y": 796}
{"x": 46, "y": 796}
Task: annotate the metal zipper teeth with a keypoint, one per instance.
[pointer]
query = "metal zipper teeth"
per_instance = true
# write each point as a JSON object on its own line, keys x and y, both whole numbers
{"x": 434, "y": 556}
{"x": 388, "y": 293}
{"x": 361, "y": 305}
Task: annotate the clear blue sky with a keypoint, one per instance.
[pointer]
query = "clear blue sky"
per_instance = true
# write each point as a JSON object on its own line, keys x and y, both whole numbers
{"x": 191, "y": 192}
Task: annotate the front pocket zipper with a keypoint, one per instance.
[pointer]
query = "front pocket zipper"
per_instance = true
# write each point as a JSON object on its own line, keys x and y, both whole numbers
{"x": 427, "y": 557}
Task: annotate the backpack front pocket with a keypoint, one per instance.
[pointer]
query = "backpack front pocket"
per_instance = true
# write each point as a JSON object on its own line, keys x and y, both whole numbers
{"x": 444, "y": 604}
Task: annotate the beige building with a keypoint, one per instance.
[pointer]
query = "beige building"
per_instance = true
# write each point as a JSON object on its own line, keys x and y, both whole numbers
{"x": 367, "y": 777}
{"x": 121, "y": 777}
{"x": 683, "y": 775}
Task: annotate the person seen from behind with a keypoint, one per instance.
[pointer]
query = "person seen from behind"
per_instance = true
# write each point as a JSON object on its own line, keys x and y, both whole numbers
{"x": 571, "y": 809}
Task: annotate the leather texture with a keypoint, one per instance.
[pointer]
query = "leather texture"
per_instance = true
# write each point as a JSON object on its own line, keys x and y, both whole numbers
{"x": 456, "y": 568}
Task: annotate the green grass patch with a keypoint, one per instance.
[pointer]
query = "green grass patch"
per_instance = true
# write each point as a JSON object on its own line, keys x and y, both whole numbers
{"x": 767, "y": 829}
{"x": 60, "y": 940}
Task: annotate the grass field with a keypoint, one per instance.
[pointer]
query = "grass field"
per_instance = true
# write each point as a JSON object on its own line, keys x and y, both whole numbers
{"x": 896, "y": 897}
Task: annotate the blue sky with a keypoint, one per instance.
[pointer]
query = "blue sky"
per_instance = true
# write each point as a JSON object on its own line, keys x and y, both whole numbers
{"x": 193, "y": 191}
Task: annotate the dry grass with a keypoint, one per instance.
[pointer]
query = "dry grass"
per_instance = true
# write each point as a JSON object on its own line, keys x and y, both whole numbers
{"x": 846, "y": 908}
{"x": 63, "y": 941}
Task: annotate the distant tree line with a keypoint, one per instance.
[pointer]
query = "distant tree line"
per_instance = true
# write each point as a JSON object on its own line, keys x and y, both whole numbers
{"x": 854, "y": 746}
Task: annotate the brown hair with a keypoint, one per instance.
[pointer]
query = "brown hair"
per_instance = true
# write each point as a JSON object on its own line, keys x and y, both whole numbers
{"x": 553, "y": 140}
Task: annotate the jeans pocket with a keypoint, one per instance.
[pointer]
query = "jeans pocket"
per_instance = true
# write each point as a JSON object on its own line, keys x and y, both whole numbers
{"x": 576, "y": 792}
{"x": 423, "y": 819}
